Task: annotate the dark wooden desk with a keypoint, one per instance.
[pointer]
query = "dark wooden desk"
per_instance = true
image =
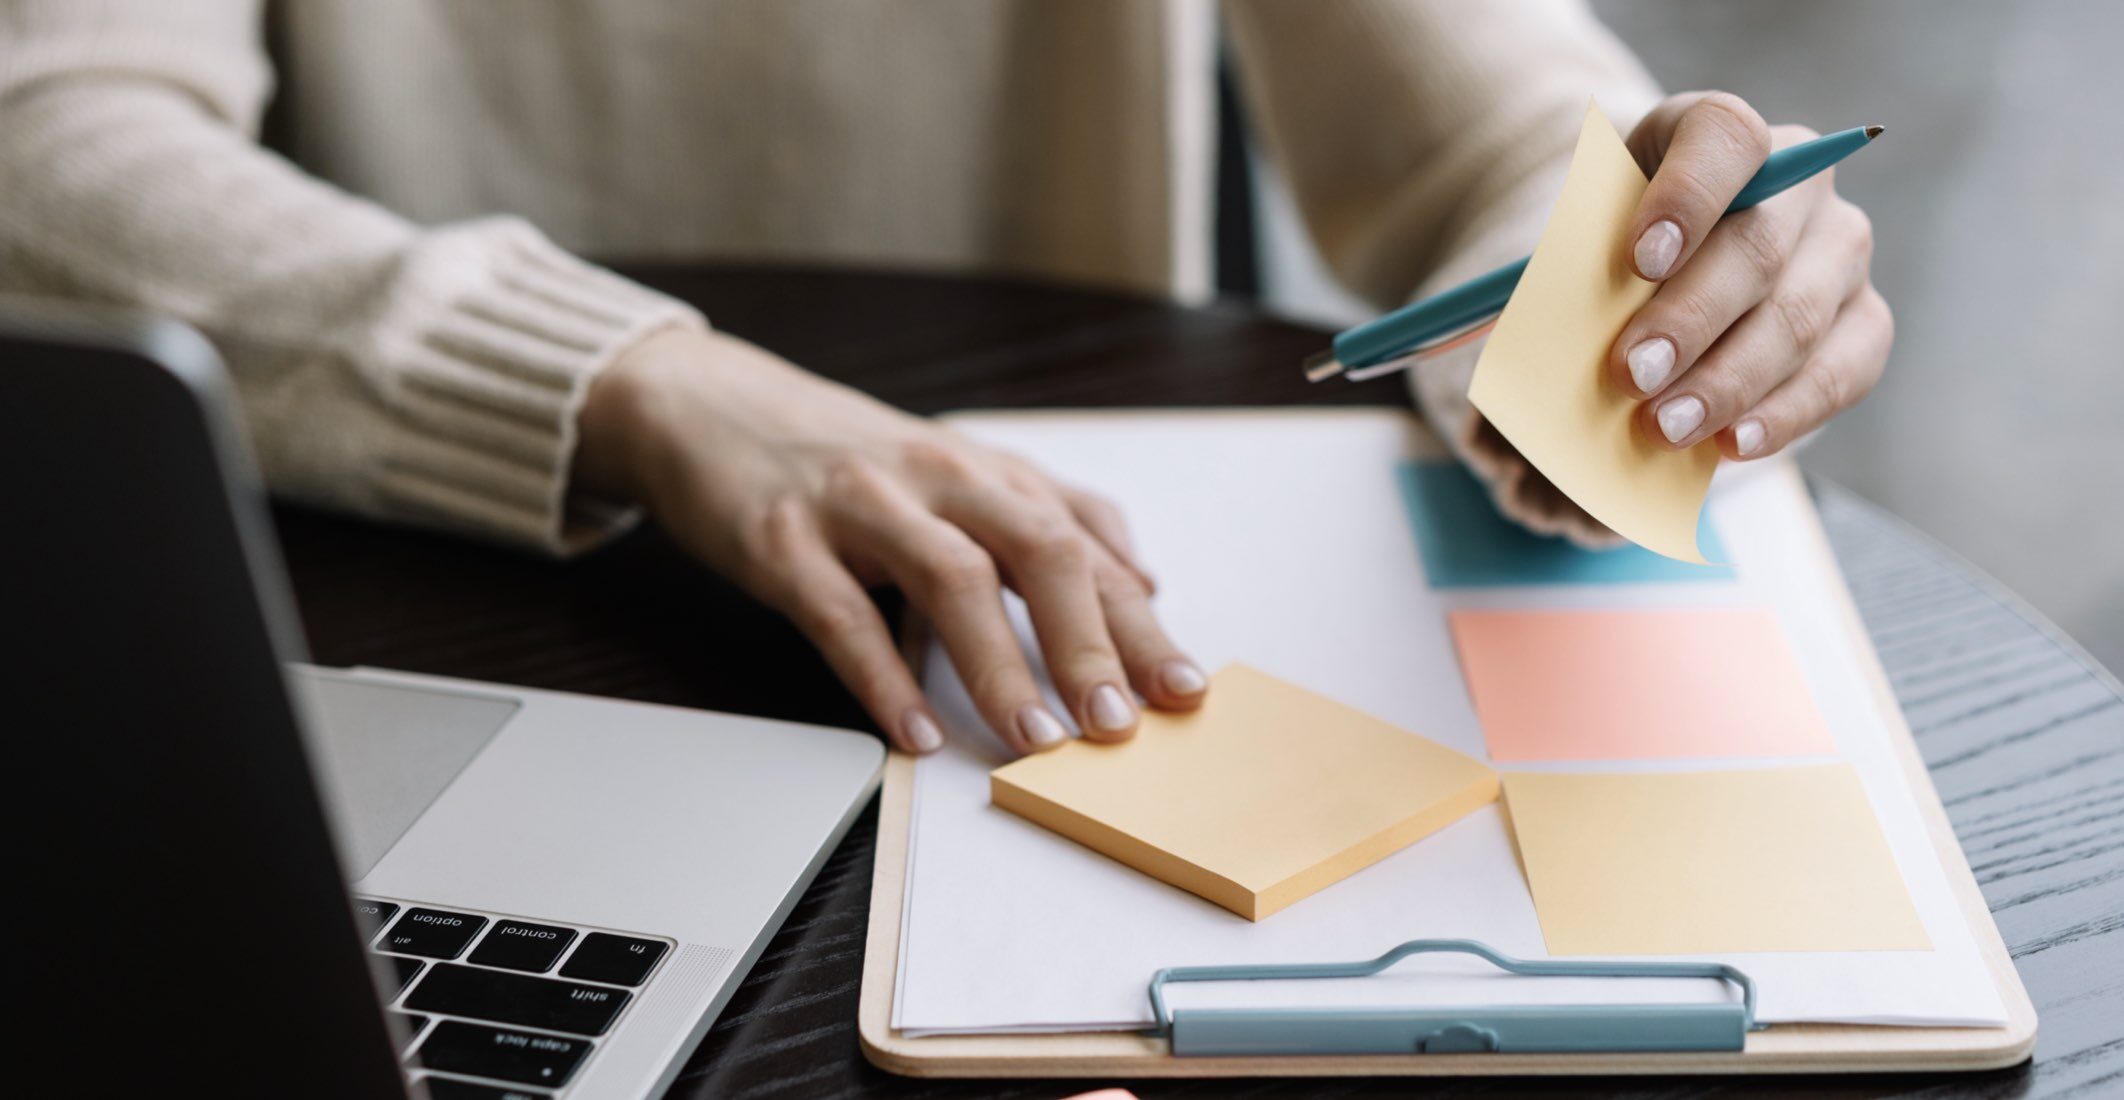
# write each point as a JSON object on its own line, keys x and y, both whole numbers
{"x": 2024, "y": 735}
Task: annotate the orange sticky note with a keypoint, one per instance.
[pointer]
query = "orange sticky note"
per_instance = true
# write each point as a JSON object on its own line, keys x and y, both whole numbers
{"x": 1634, "y": 685}
{"x": 1267, "y": 794}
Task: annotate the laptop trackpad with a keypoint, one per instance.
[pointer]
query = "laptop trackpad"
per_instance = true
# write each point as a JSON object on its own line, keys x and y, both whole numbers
{"x": 389, "y": 752}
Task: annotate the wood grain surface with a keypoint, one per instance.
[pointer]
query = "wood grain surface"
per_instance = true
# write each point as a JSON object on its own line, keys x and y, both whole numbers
{"x": 2024, "y": 735}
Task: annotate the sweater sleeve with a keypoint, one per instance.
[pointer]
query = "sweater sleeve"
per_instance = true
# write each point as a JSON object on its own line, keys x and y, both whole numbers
{"x": 427, "y": 375}
{"x": 1425, "y": 142}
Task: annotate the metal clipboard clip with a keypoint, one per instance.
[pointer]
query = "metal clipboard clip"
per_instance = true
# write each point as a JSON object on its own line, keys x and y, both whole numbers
{"x": 1449, "y": 1030}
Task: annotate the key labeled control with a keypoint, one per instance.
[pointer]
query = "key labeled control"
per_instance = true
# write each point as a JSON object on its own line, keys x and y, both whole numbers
{"x": 373, "y": 915}
{"x": 521, "y": 945}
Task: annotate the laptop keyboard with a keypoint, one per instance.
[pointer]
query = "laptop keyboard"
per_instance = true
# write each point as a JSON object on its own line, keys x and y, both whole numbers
{"x": 498, "y": 1003}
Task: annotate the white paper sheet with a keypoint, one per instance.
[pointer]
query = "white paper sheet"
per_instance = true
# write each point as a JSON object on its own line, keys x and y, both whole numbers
{"x": 1280, "y": 539}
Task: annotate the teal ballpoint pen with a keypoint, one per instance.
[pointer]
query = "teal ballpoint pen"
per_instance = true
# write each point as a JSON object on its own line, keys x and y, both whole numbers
{"x": 1390, "y": 343}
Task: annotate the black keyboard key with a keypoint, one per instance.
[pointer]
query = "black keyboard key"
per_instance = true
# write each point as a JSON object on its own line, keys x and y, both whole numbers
{"x": 618, "y": 960}
{"x": 450, "y": 1088}
{"x": 405, "y": 970}
{"x": 432, "y": 932}
{"x": 412, "y": 1024}
{"x": 373, "y": 915}
{"x": 456, "y": 990}
{"x": 504, "y": 1054}
{"x": 517, "y": 945}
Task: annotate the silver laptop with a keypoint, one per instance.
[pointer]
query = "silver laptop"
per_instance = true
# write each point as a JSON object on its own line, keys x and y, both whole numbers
{"x": 264, "y": 878}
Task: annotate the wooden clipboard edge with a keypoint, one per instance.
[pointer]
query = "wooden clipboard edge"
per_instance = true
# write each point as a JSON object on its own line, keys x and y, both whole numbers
{"x": 1784, "y": 1048}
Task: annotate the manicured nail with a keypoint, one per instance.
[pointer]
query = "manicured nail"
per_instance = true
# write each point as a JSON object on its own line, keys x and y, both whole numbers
{"x": 1748, "y": 437}
{"x": 922, "y": 732}
{"x": 1041, "y": 729}
{"x": 1182, "y": 678}
{"x": 1111, "y": 710}
{"x": 1651, "y": 361}
{"x": 1657, "y": 249}
{"x": 1679, "y": 417}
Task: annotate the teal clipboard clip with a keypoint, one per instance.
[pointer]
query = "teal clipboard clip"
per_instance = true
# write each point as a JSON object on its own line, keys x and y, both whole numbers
{"x": 1197, "y": 1032}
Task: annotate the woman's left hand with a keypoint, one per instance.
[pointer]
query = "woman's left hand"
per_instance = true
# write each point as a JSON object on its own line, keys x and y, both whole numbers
{"x": 1765, "y": 323}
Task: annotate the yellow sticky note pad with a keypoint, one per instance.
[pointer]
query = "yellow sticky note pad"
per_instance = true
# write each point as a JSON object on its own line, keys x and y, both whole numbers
{"x": 1264, "y": 796}
{"x": 1542, "y": 378}
{"x": 1677, "y": 863}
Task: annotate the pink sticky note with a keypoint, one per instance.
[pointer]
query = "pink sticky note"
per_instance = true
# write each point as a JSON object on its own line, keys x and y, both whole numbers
{"x": 1634, "y": 685}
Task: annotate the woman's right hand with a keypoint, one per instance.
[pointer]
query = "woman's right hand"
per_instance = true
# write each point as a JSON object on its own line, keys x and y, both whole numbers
{"x": 806, "y": 493}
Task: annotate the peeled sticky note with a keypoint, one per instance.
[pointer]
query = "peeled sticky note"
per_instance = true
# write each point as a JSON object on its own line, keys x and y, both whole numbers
{"x": 1677, "y": 863}
{"x": 1466, "y": 543}
{"x": 1631, "y": 685}
{"x": 1542, "y": 380}
{"x": 1262, "y": 797}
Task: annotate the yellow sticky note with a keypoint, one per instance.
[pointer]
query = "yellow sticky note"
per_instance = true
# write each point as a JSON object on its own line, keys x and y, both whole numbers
{"x": 1264, "y": 796}
{"x": 1678, "y": 863}
{"x": 1542, "y": 379}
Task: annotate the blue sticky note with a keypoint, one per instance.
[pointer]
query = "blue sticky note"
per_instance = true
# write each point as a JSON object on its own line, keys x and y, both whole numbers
{"x": 1467, "y": 544}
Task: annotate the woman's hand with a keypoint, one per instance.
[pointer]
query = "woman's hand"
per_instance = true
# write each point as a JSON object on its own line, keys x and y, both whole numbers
{"x": 1765, "y": 324}
{"x": 806, "y": 493}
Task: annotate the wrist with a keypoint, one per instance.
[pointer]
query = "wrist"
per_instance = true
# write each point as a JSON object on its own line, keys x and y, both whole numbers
{"x": 620, "y": 428}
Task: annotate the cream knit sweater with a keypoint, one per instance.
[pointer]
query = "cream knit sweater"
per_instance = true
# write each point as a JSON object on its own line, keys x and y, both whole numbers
{"x": 398, "y": 294}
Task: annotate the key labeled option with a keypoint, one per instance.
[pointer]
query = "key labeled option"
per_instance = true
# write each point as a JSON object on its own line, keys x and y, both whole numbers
{"x": 454, "y": 989}
{"x": 618, "y": 960}
{"x": 519, "y": 945}
{"x": 432, "y": 932}
{"x": 503, "y": 1054}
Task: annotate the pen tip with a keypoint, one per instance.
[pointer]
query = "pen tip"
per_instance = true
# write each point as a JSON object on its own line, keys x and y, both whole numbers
{"x": 1874, "y": 132}
{"x": 1322, "y": 365}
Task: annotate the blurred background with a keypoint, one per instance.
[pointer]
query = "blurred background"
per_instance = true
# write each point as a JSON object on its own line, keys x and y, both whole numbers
{"x": 1997, "y": 197}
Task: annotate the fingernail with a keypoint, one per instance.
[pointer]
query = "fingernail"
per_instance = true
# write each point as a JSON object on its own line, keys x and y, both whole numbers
{"x": 1651, "y": 361}
{"x": 922, "y": 732}
{"x": 1679, "y": 417}
{"x": 1182, "y": 678}
{"x": 1748, "y": 437}
{"x": 1657, "y": 249}
{"x": 1041, "y": 729}
{"x": 1110, "y": 710}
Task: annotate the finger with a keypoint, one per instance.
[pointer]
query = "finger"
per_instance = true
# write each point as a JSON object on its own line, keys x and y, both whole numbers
{"x": 1738, "y": 266}
{"x": 1767, "y": 346}
{"x": 1713, "y": 144}
{"x": 831, "y": 608}
{"x": 1157, "y": 668}
{"x": 1097, "y": 514}
{"x": 1841, "y": 372}
{"x": 1047, "y": 556}
{"x": 954, "y": 582}
{"x": 1103, "y": 519}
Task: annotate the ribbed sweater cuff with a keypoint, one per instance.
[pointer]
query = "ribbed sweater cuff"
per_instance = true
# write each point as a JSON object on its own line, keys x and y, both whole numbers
{"x": 490, "y": 340}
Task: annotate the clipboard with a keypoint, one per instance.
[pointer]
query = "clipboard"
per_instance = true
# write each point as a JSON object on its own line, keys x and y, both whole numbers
{"x": 1454, "y": 1043}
